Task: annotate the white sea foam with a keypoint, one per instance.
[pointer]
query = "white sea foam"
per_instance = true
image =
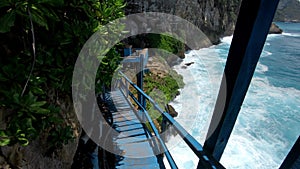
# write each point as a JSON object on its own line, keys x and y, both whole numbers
{"x": 227, "y": 39}
{"x": 261, "y": 68}
{"x": 266, "y": 53}
{"x": 196, "y": 100}
{"x": 272, "y": 36}
{"x": 261, "y": 137}
{"x": 291, "y": 34}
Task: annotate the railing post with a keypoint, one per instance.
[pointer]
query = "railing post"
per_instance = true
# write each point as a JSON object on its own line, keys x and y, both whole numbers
{"x": 164, "y": 124}
{"x": 140, "y": 79}
{"x": 127, "y": 88}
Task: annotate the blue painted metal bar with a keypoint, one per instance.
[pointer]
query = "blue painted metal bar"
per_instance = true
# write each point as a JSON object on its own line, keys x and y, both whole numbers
{"x": 156, "y": 106}
{"x": 292, "y": 160}
{"x": 131, "y": 60}
{"x": 205, "y": 160}
{"x": 152, "y": 125}
{"x": 140, "y": 79}
{"x": 250, "y": 33}
{"x": 162, "y": 145}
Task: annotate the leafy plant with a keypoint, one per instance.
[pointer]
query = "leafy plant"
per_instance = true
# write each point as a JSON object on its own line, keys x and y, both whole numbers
{"x": 165, "y": 42}
{"x": 39, "y": 44}
{"x": 162, "y": 90}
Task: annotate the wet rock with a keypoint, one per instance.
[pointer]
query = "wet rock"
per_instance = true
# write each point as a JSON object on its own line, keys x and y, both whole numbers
{"x": 189, "y": 64}
{"x": 172, "y": 111}
{"x": 216, "y": 18}
{"x": 274, "y": 29}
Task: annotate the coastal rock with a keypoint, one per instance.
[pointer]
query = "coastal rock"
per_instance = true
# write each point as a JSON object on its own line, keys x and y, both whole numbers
{"x": 215, "y": 18}
{"x": 288, "y": 11}
{"x": 172, "y": 111}
{"x": 189, "y": 64}
{"x": 274, "y": 29}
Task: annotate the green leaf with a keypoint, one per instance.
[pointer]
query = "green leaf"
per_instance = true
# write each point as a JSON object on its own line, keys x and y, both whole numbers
{"x": 39, "y": 19}
{"x": 104, "y": 63}
{"x": 4, "y": 3}
{"x": 37, "y": 90}
{"x": 42, "y": 111}
{"x": 38, "y": 104}
{"x": 16, "y": 98}
{"x": 4, "y": 141}
{"x": 52, "y": 2}
{"x": 7, "y": 21}
{"x": 23, "y": 141}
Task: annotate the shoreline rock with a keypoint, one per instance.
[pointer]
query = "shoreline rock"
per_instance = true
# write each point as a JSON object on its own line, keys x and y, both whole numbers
{"x": 172, "y": 111}
{"x": 189, "y": 64}
{"x": 274, "y": 29}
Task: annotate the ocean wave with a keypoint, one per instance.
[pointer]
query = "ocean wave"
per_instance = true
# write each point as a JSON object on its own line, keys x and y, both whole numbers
{"x": 261, "y": 134}
{"x": 271, "y": 36}
{"x": 291, "y": 34}
{"x": 261, "y": 137}
{"x": 266, "y": 53}
{"x": 227, "y": 39}
{"x": 261, "y": 68}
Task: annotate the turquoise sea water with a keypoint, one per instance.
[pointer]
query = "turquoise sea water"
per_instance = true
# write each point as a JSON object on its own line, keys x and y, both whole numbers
{"x": 269, "y": 120}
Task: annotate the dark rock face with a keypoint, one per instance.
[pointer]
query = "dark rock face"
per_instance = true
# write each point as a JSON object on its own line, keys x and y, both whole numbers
{"x": 188, "y": 64}
{"x": 216, "y": 18}
{"x": 274, "y": 29}
{"x": 288, "y": 11}
{"x": 172, "y": 111}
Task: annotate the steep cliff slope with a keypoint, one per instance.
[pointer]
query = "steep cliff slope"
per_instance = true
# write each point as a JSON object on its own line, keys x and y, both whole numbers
{"x": 288, "y": 11}
{"x": 215, "y": 18}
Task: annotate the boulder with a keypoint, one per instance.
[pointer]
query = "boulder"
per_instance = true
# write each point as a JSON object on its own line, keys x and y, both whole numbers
{"x": 189, "y": 64}
{"x": 274, "y": 29}
{"x": 172, "y": 111}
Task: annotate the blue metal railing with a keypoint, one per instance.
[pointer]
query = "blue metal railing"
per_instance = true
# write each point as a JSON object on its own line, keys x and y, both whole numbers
{"x": 205, "y": 160}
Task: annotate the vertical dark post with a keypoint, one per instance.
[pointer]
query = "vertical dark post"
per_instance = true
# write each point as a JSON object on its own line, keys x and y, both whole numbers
{"x": 252, "y": 27}
{"x": 292, "y": 160}
{"x": 143, "y": 62}
{"x": 126, "y": 88}
{"x": 140, "y": 79}
{"x": 164, "y": 123}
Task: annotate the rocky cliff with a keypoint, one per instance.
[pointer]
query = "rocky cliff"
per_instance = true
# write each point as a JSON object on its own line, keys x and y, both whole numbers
{"x": 216, "y": 18}
{"x": 288, "y": 11}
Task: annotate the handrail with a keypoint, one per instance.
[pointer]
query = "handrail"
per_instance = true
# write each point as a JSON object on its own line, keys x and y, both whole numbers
{"x": 205, "y": 160}
{"x": 154, "y": 129}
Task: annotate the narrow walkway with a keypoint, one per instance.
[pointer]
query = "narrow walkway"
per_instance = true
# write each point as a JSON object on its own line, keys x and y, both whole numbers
{"x": 132, "y": 140}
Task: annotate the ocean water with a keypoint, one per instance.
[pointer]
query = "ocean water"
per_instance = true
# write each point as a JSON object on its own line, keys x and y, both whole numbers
{"x": 269, "y": 121}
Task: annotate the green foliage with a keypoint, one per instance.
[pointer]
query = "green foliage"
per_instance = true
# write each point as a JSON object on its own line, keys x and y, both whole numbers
{"x": 61, "y": 27}
{"x": 59, "y": 136}
{"x": 165, "y": 42}
{"x": 108, "y": 66}
{"x": 162, "y": 90}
